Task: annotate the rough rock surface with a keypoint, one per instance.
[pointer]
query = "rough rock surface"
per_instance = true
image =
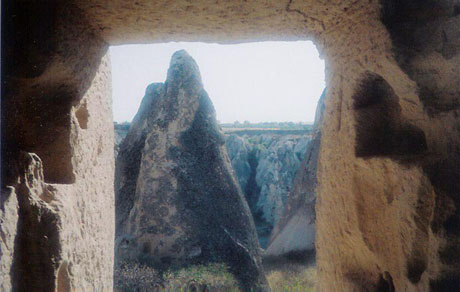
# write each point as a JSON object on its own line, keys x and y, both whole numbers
{"x": 277, "y": 165}
{"x": 387, "y": 193}
{"x": 8, "y": 228}
{"x": 265, "y": 165}
{"x": 57, "y": 150}
{"x": 387, "y": 219}
{"x": 121, "y": 130}
{"x": 295, "y": 231}
{"x": 239, "y": 150}
{"x": 177, "y": 199}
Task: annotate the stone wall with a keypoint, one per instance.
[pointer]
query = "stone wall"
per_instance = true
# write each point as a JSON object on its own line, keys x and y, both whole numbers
{"x": 57, "y": 151}
{"x": 378, "y": 208}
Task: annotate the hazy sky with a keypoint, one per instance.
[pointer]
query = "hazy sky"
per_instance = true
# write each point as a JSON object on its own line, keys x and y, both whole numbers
{"x": 258, "y": 82}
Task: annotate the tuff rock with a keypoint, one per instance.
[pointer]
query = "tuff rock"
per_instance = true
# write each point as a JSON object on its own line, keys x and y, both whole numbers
{"x": 177, "y": 199}
{"x": 265, "y": 165}
{"x": 387, "y": 209}
{"x": 295, "y": 231}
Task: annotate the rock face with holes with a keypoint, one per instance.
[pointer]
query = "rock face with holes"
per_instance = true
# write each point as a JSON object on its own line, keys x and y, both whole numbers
{"x": 177, "y": 199}
{"x": 387, "y": 217}
{"x": 57, "y": 205}
{"x": 45, "y": 217}
{"x": 295, "y": 230}
{"x": 387, "y": 211}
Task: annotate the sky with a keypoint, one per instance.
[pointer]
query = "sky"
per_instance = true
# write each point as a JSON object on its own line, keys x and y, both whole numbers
{"x": 256, "y": 82}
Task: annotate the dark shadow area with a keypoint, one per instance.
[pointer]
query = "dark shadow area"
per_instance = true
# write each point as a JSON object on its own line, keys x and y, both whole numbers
{"x": 449, "y": 282}
{"x": 41, "y": 125}
{"x": 301, "y": 257}
{"x": 252, "y": 189}
{"x": 380, "y": 129}
{"x": 385, "y": 283}
{"x": 422, "y": 27}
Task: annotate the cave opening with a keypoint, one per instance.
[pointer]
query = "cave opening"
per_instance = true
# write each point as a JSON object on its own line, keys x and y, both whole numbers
{"x": 56, "y": 107}
{"x": 265, "y": 97}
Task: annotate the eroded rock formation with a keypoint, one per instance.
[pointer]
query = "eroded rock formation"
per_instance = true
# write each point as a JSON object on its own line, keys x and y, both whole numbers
{"x": 295, "y": 230}
{"x": 121, "y": 130}
{"x": 177, "y": 199}
{"x": 265, "y": 165}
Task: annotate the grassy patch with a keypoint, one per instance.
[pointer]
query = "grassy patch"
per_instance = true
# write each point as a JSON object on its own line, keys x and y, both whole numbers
{"x": 199, "y": 278}
{"x": 293, "y": 281}
{"x": 295, "y": 272}
{"x": 212, "y": 277}
{"x": 292, "y": 273}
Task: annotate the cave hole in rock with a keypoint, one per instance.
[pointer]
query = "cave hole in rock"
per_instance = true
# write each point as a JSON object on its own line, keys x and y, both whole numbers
{"x": 385, "y": 283}
{"x": 380, "y": 130}
{"x": 82, "y": 115}
{"x": 63, "y": 280}
{"x": 265, "y": 97}
{"x": 44, "y": 122}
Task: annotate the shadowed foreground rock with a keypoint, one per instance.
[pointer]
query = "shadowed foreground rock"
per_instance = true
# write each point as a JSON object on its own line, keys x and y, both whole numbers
{"x": 177, "y": 200}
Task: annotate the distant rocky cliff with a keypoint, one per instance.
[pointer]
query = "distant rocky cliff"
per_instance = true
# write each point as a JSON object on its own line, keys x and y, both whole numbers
{"x": 295, "y": 231}
{"x": 177, "y": 199}
{"x": 266, "y": 163}
{"x": 121, "y": 130}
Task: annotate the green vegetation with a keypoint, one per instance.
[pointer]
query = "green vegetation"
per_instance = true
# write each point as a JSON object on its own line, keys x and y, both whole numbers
{"x": 283, "y": 275}
{"x": 286, "y": 126}
{"x": 294, "y": 272}
{"x": 293, "y": 280}
{"x": 212, "y": 277}
{"x": 198, "y": 278}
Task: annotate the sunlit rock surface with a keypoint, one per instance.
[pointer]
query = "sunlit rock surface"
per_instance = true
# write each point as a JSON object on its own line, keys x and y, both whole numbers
{"x": 177, "y": 199}
{"x": 8, "y": 227}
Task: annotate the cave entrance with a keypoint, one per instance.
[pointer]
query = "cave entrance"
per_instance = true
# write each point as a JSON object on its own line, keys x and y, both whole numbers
{"x": 55, "y": 103}
{"x": 265, "y": 96}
